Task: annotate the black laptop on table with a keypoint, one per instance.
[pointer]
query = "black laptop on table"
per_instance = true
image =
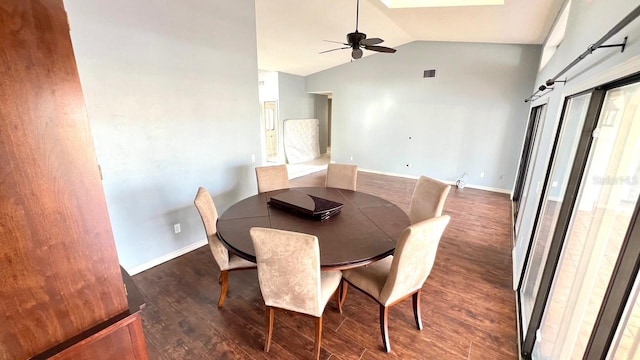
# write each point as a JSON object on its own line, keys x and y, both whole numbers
{"x": 306, "y": 205}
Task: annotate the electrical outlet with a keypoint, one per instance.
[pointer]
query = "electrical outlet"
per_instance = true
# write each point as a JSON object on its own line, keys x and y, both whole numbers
{"x": 176, "y": 228}
{"x": 351, "y": 158}
{"x": 482, "y": 174}
{"x": 253, "y": 158}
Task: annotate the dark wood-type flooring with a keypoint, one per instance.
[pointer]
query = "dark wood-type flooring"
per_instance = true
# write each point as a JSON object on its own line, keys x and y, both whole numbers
{"x": 468, "y": 307}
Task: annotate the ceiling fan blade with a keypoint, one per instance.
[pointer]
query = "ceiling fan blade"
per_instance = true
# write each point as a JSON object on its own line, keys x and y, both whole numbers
{"x": 342, "y": 48}
{"x": 336, "y": 42}
{"x": 357, "y": 40}
{"x": 371, "y": 41}
{"x": 383, "y": 49}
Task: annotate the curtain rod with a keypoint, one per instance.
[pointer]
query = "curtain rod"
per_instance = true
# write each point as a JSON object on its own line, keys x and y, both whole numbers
{"x": 597, "y": 45}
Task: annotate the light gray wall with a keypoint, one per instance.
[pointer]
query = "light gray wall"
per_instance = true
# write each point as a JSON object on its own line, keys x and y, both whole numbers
{"x": 268, "y": 85}
{"x": 172, "y": 95}
{"x": 470, "y": 118}
{"x": 295, "y": 103}
{"x": 587, "y": 23}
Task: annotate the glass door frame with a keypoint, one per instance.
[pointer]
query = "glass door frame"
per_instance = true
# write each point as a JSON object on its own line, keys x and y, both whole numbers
{"x": 628, "y": 263}
{"x": 524, "y": 181}
{"x": 618, "y": 292}
{"x": 527, "y": 149}
{"x": 622, "y": 280}
{"x": 540, "y": 206}
{"x": 566, "y": 211}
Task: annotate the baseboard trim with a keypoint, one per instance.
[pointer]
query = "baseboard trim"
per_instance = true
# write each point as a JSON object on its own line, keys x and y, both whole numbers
{"x": 164, "y": 258}
{"x": 479, "y": 187}
{"x": 488, "y": 188}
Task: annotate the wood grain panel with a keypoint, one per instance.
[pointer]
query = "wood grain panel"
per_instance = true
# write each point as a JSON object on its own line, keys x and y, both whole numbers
{"x": 59, "y": 271}
{"x": 121, "y": 341}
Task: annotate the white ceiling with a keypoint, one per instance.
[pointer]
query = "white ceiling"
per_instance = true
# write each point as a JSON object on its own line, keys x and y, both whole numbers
{"x": 290, "y": 33}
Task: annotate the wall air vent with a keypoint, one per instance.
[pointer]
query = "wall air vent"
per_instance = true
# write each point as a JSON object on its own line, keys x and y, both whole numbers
{"x": 429, "y": 73}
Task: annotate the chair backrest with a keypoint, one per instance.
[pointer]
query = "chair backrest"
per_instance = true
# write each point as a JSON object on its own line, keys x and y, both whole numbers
{"x": 271, "y": 178}
{"x": 209, "y": 214}
{"x": 413, "y": 258}
{"x": 288, "y": 269}
{"x": 428, "y": 199}
{"x": 342, "y": 176}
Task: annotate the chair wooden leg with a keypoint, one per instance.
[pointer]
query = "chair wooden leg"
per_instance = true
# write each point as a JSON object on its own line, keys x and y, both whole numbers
{"x": 339, "y": 298}
{"x": 344, "y": 286}
{"x": 224, "y": 287}
{"x": 316, "y": 349}
{"x": 416, "y": 309}
{"x": 270, "y": 319}
{"x": 384, "y": 327}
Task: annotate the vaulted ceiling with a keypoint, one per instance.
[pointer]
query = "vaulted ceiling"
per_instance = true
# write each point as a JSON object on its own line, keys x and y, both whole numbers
{"x": 291, "y": 33}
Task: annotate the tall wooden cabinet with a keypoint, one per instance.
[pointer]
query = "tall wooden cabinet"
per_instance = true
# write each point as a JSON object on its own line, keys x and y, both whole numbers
{"x": 60, "y": 280}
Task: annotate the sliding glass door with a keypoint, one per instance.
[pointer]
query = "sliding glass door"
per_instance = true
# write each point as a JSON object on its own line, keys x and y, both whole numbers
{"x": 529, "y": 148}
{"x": 601, "y": 216}
{"x": 579, "y": 295}
{"x": 525, "y": 197}
{"x": 564, "y": 153}
{"x": 626, "y": 344}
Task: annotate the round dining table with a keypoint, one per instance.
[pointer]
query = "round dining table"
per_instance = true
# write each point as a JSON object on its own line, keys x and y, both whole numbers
{"x": 365, "y": 230}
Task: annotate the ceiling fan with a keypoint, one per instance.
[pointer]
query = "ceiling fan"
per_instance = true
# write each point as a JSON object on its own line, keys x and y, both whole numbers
{"x": 357, "y": 40}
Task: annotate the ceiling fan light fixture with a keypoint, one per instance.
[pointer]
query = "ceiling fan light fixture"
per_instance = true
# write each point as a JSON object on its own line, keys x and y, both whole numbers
{"x": 356, "y": 53}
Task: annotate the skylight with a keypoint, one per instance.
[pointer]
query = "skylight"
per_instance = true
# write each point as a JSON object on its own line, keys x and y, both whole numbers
{"x": 556, "y": 35}
{"x": 397, "y": 4}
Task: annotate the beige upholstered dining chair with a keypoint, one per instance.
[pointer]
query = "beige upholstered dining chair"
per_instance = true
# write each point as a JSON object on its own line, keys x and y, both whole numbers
{"x": 226, "y": 262}
{"x": 342, "y": 176}
{"x": 396, "y": 277}
{"x": 290, "y": 277}
{"x": 428, "y": 199}
{"x": 271, "y": 178}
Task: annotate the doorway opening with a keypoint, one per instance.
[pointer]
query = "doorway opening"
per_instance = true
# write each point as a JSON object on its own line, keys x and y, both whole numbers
{"x": 322, "y": 110}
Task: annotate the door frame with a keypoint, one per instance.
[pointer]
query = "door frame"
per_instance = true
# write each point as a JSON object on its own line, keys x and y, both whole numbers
{"x": 628, "y": 263}
{"x": 528, "y": 147}
{"x": 566, "y": 211}
{"x": 273, "y": 103}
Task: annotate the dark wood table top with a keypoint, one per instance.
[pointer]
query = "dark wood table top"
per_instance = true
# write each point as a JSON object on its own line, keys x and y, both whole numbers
{"x": 366, "y": 230}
